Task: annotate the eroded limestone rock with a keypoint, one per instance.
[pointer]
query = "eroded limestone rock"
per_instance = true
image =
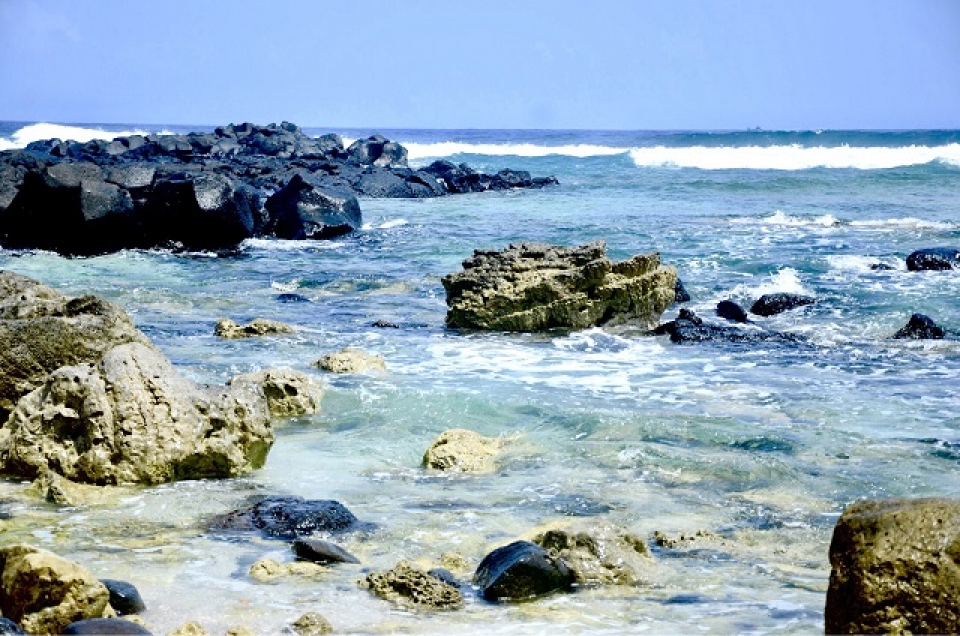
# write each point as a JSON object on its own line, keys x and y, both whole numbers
{"x": 288, "y": 393}
{"x": 351, "y": 360}
{"x": 533, "y": 287}
{"x": 408, "y": 586}
{"x": 266, "y": 570}
{"x": 460, "y": 450}
{"x": 311, "y": 624}
{"x": 599, "y": 555}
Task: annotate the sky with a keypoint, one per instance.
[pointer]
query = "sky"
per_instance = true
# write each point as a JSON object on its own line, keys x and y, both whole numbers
{"x": 591, "y": 64}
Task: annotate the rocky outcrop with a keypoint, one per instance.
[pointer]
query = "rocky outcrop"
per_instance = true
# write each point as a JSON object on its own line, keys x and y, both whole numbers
{"x": 230, "y": 330}
{"x": 687, "y": 327}
{"x": 306, "y": 209}
{"x": 462, "y": 178}
{"x": 773, "y": 304}
{"x": 934, "y": 258}
{"x": 288, "y": 518}
{"x": 598, "y": 554}
{"x": 520, "y": 571}
{"x": 460, "y": 450}
{"x": 920, "y": 327}
{"x": 534, "y": 287}
{"x": 408, "y": 586}
{"x": 44, "y": 592}
{"x": 895, "y": 568}
{"x": 351, "y": 360}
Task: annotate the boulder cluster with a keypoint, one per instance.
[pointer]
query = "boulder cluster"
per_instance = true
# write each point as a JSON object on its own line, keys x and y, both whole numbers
{"x": 210, "y": 191}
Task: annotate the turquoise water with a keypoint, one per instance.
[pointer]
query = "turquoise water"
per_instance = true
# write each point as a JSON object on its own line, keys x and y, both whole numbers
{"x": 761, "y": 445}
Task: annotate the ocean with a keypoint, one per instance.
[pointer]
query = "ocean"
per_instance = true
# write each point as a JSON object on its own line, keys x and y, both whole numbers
{"x": 758, "y": 446}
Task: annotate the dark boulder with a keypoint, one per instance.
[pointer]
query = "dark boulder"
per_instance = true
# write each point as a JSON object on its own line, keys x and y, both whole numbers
{"x": 304, "y": 210}
{"x": 934, "y": 258}
{"x": 881, "y": 267}
{"x": 773, "y": 304}
{"x": 377, "y": 151}
{"x": 688, "y": 327}
{"x": 104, "y": 627}
{"x": 895, "y": 568}
{"x": 289, "y": 517}
{"x": 681, "y": 293}
{"x": 124, "y": 597}
{"x": 920, "y": 327}
{"x": 519, "y": 571}
{"x": 731, "y": 311}
{"x": 323, "y": 552}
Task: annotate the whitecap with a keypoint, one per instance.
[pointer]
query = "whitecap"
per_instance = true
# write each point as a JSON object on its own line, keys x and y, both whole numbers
{"x": 416, "y": 151}
{"x": 392, "y": 223}
{"x": 854, "y": 263}
{"x": 909, "y": 223}
{"x": 284, "y": 245}
{"x": 786, "y": 280}
{"x": 781, "y": 218}
{"x": 41, "y": 131}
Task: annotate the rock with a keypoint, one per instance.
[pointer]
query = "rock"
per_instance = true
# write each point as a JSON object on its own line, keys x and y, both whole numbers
{"x": 291, "y": 298}
{"x": 104, "y": 627}
{"x": 688, "y": 327}
{"x": 44, "y": 592}
{"x": 190, "y": 629}
{"x": 598, "y": 554}
{"x": 42, "y": 330}
{"x": 881, "y": 267}
{"x": 351, "y": 360}
{"x": 59, "y": 490}
{"x": 731, "y": 311}
{"x": 124, "y": 597}
{"x": 377, "y": 151}
{"x": 534, "y": 287}
{"x": 520, "y": 571}
{"x": 895, "y": 568}
{"x": 305, "y": 210}
{"x": 226, "y": 328}
{"x": 462, "y": 178}
{"x": 920, "y": 327}
{"x": 288, "y": 393}
{"x": 311, "y": 624}
{"x": 385, "y": 324}
{"x": 934, "y": 258}
{"x": 408, "y": 586}
{"x": 289, "y": 517}
{"x": 131, "y": 418}
{"x": 267, "y": 570}
{"x": 460, "y": 450}
{"x": 322, "y": 552}
{"x": 773, "y": 304}
{"x": 9, "y": 628}
{"x": 238, "y": 630}
{"x": 681, "y": 293}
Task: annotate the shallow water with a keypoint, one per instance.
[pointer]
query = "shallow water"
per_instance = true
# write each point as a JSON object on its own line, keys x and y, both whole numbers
{"x": 760, "y": 445}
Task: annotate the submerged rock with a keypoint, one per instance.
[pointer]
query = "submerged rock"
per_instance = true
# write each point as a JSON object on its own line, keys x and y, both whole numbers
{"x": 289, "y": 517}
{"x": 773, "y": 304}
{"x": 519, "y": 571}
{"x": 104, "y": 627}
{"x": 895, "y": 568}
{"x": 44, "y": 592}
{"x": 231, "y": 330}
{"x": 460, "y": 450}
{"x": 731, "y": 311}
{"x": 322, "y": 552}
{"x": 266, "y": 570}
{"x": 934, "y": 258}
{"x": 688, "y": 327}
{"x": 534, "y": 287}
{"x": 406, "y": 585}
{"x": 311, "y": 624}
{"x": 351, "y": 360}
{"x": 920, "y": 327}
{"x": 599, "y": 555}
{"x": 124, "y": 597}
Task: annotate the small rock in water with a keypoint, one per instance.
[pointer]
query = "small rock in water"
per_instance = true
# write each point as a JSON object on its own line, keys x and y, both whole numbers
{"x": 460, "y": 450}
{"x": 104, "y": 627}
{"x": 773, "y": 304}
{"x": 124, "y": 597}
{"x": 190, "y": 629}
{"x": 266, "y": 570}
{"x": 311, "y": 624}
{"x": 322, "y": 552}
{"x": 384, "y": 324}
{"x": 351, "y": 360}
{"x": 289, "y": 517}
{"x": 881, "y": 267}
{"x": 520, "y": 571}
{"x": 934, "y": 258}
{"x": 731, "y": 311}
{"x": 407, "y": 585}
{"x": 231, "y": 330}
{"x": 920, "y": 327}
{"x": 681, "y": 293}
{"x": 292, "y": 298}
{"x": 599, "y": 554}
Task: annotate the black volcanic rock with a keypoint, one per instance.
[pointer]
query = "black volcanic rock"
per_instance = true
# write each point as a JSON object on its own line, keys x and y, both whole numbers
{"x": 934, "y": 258}
{"x": 688, "y": 327}
{"x": 773, "y": 304}
{"x": 520, "y": 571}
{"x": 289, "y": 517}
{"x": 305, "y": 209}
{"x": 920, "y": 327}
{"x": 731, "y": 311}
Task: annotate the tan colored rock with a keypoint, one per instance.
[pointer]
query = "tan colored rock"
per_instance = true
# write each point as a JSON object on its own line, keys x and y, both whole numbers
{"x": 42, "y": 330}
{"x": 266, "y": 570}
{"x": 534, "y": 287}
{"x": 231, "y": 330}
{"x": 351, "y": 360}
{"x": 239, "y": 630}
{"x": 410, "y": 587}
{"x": 133, "y": 419}
{"x": 460, "y": 450}
{"x": 896, "y": 568}
{"x": 44, "y": 592}
{"x": 190, "y": 629}
{"x": 600, "y": 554}
{"x": 59, "y": 490}
{"x": 288, "y": 393}
{"x": 311, "y": 624}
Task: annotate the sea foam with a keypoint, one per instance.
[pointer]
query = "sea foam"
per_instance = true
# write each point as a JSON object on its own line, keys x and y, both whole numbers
{"x": 417, "y": 151}
{"x": 41, "y": 131}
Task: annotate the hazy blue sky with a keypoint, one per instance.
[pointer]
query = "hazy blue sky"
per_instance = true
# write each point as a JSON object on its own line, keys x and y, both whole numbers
{"x": 627, "y": 64}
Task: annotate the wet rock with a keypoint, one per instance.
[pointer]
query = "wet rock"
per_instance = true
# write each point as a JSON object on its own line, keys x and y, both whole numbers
{"x": 444, "y": 575}
{"x": 44, "y": 592}
{"x": 351, "y": 360}
{"x": 683, "y": 540}
{"x": 288, "y": 393}
{"x": 534, "y": 287}
{"x": 773, "y": 304}
{"x": 731, "y": 311}
{"x": 408, "y": 586}
{"x": 292, "y": 298}
{"x": 598, "y": 554}
{"x": 267, "y": 570}
{"x": 311, "y": 624}
{"x": 934, "y": 258}
{"x": 9, "y": 628}
{"x": 238, "y": 630}
{"x": 305, "y": 209}
{"x": 385, "y": 324}
{"x": 688, "y": 327}
{"x": 104, "y": 627}
{"x": 881, "y": 267}
{"x": 190, "y": 629}
{"x": 895, "y": 568}
{"x": 377, "y": 151}
{"x": 460, "y": 450}
{"x": 520, "y": 571}
{"x": 124, "y": 597}
{"x": 919, "y": 327}
{"x": 462, "y": 178}
{"x": 681, "y": 293}
{"x": 322, "y": 552}
{"x": 230, "y": 330}
{"x": 57, "y": 489}
{"x": 289, "y": 517}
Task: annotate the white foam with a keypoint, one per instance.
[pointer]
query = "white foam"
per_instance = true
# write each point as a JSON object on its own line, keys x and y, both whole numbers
{"x": 392, "y": 223}
{"x": 782, "y": 218}
{"x": 909, "y": 223}
{"x": 283, "y": 245}
{"x": 417, "y": 151}
{"x": 41, "y": 131}
{"x": 785, "y": 280}
{"x": 793, "y": 157}
{"x": 851, "y": 263}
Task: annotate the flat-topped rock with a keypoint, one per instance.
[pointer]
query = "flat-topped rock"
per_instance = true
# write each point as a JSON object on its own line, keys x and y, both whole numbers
{"x": 535, "y": 287}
